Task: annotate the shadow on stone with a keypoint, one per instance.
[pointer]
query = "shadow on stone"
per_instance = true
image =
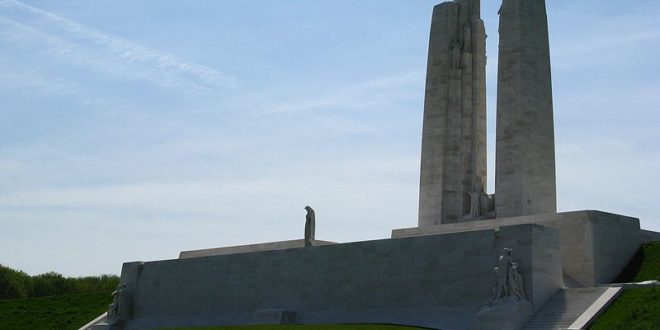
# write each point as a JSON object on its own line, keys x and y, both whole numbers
{"x": 632, "y": 268}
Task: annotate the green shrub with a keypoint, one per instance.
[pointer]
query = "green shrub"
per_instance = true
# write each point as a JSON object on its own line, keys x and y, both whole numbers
{"x": 13, "y": 283}
{"x": 17, "y": 284}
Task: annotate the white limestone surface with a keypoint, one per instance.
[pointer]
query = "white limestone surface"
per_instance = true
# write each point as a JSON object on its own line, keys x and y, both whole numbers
{"x": 271, "y": 246}
{"x": 525, "y": 182}
{"x": 595, "y": 246}
{"x": 454, "y": 129}
{"x": 437, "y": 281}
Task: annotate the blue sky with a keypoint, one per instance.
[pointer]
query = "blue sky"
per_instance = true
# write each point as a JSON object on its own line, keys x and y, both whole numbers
{"x": 132, "y": 130}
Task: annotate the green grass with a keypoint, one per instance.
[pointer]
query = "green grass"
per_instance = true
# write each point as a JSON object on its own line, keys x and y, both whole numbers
{"x": 304, "y": 327}
{"x": 650, "y": 269}
{"x": 644, "y": 266}
{"x": 58, "y": 312}
{"x": 636, "y": 309}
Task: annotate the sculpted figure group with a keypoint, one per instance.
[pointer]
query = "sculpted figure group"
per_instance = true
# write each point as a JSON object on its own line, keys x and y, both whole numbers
{"x": 510, "y": 282}
{"x": 482, "y": 205}
{"x": 119, "y": 310}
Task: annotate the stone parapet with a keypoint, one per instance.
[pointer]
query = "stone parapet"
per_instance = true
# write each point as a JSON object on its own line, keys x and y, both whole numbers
{"x": 270, "y": 246}
{"x": 595, "y": 245}
{"x": 437, "y": 281}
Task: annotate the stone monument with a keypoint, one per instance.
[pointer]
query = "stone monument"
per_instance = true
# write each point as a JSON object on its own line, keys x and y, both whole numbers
{"x": 454, "y": 129}
{"x": 454, "y": 132}
{"x": 525, "y": 155}
{"x": 438, "y": 275}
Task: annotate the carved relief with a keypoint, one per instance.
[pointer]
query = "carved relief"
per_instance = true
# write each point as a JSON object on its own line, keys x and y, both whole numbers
{"x": 476, "y": 197}
{"x": 510, "y": 282}
{"x": 455, "y": 53}
{"x": 467, "y": 37}
{"x": 119, "y": 310}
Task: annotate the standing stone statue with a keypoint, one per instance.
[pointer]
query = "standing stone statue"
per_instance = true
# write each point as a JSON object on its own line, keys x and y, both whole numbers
{"x": 310, "y": 226}
{"x": 502, "y": 271}
{"x": 509, "y": 308}
{"x": 455, "y": 52}
{"x": 476, "y": 195}
{"x": 119, "y": 310}
{"x": 518, "y": 285}
{"x": 467, "y": 37}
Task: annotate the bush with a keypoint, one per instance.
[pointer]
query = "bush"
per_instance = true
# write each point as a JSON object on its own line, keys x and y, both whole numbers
{"x": 13, "y": 283}
{"x": 17, "y": 284}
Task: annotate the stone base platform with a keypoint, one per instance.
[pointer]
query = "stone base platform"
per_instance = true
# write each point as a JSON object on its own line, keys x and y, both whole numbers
{"x": 435, "y": 281}
{"x": 508, "y": 314}
{"x": 595, "y": 246}
{"x": 649, "y": 236}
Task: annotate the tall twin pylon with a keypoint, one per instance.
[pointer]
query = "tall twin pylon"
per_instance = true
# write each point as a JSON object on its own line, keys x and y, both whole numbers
{"x": 453, "y": 166}
{"x": 454, "y": 132}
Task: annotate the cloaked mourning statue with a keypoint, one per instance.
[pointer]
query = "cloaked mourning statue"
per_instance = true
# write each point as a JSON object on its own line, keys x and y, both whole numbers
{"x": 455, "y": 52}
{"x": 310, "y": 226}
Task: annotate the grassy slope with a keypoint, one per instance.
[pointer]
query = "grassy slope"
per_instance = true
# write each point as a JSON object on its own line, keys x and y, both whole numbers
{"x": 58, "y": 312}
{"x": 650, "y": 269}
{"x": 636, "y": 309}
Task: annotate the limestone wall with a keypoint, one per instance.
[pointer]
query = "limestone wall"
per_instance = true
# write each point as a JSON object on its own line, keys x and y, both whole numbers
{"x": 616, "y": 239}
{"x": 649, "y": 236}
{"x": 437, "y": 281}
{"x": 282, "y": 245}
{"x": 595, "y": 245}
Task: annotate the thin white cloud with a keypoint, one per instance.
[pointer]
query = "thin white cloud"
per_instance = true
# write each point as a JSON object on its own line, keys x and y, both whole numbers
{"x": 92, "y": 59}
{"x": 266, "y": 197}
{"x": 33, "y": 79}
{"x": 371, "y": 94}
{"x": 86, "y": 46}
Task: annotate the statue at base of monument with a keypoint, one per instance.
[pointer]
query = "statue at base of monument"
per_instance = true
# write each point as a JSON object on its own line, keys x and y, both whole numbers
{"x": 482, "y": 205}
{"x": 310, "y": 226}
{"x": 509, "y": 308}
{"x": 488, "y": 206}
{"x": 510, "y": 283}
{"x": 475, "y": 198}
{"x": 119, "y": 310}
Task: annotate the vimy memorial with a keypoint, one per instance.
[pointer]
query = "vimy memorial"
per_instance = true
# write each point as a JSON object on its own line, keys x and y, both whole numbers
{"x": 475, "y": 260}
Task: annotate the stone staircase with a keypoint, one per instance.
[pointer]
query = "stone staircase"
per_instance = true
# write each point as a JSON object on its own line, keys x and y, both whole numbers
{"x": 566, "y": 308}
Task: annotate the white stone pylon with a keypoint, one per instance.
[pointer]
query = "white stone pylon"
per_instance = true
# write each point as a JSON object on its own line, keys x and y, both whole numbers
{"x": 525, "y": 155}
{"x": 454, "y": 129}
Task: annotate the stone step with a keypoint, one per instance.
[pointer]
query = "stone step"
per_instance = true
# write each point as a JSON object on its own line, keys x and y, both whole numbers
{"x": 564, "y": 308}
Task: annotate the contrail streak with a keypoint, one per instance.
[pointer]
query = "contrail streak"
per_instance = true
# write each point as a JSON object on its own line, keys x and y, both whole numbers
{"x": 122, "y": 48}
